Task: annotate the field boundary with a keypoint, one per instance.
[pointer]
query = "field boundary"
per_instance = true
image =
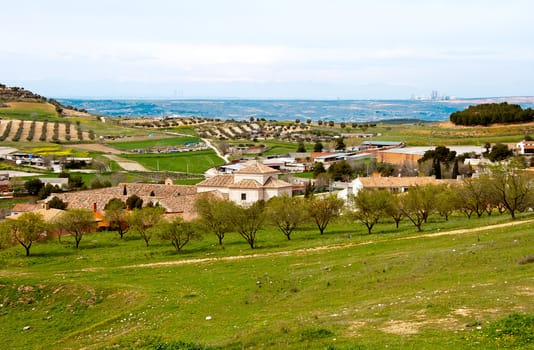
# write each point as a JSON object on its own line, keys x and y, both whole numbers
{"x": 304, "y": 251}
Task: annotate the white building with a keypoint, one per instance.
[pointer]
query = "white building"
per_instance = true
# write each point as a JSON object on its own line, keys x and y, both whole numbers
{"x": 253, "y": 182}
{"x": 392, "y": 184}
{"x": 525, "y": 147}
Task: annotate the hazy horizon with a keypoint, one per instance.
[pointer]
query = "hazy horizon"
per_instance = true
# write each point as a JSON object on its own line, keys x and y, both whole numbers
{"x": 313, "y": 49}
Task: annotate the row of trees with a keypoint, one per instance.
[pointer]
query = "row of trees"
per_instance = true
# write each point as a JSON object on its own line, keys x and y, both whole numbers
{"x": 491, "y": 113}
{"x": 505, "y": 190}
{"x": 216, "y": 217}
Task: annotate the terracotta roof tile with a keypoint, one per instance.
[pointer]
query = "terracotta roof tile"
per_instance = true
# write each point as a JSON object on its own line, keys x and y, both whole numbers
{"x": 49, "y": 214}
{"x": 218, "y": 181}
{"x": 246, "y": 183}
{"x": 173, "y": 197}
{"x": 395, "y": 182}
{"x": 255, "y": 167}
{"x": 276, "y": 183}
{"x": 24, "y": 207}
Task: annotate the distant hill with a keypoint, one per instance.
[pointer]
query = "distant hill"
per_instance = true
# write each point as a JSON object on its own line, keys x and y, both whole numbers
{"x": 492, "y": 113}
{"x": 19, "y": 94}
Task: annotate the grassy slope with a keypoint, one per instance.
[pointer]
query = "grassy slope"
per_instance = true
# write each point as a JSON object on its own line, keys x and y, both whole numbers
{"x": 448, "y": 134}
{"x": 29, "y": 110}
{"x": 416, "y": 293}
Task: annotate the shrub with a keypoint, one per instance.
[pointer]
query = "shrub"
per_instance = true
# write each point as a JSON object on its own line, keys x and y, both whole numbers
{"x": 18, "y": 133}
{"x": 526, "y": 260}
{"x": 57, "y": 203}
{"x": 42, "y": 138}
{"x": 7, "y": 130}
{"x": 31, "y": 133}
{"x": 178, "y": 345}
{"x": 315, "y": 333}
{"x": 514, "y": 330}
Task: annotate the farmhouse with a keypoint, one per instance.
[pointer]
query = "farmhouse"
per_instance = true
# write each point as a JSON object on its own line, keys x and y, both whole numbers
{"x": 393, "y": 184}
{"x": 410, "y": 155}
{"x": 252, "y": 182}
{"x": 176, "y": 199}
{"x": 49, "y": 214}
{"x": 60, "y": 182}
{"x": 524, "y": 147}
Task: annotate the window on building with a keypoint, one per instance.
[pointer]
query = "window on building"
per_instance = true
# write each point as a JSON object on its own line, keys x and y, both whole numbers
{"x": 243, "y": 196}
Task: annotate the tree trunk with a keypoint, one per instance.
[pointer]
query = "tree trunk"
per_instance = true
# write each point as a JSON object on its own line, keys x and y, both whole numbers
{"x": 27, "y": 249}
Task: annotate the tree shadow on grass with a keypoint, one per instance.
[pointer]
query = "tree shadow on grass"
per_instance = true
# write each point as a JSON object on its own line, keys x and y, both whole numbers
{"x": 49, "y": 254}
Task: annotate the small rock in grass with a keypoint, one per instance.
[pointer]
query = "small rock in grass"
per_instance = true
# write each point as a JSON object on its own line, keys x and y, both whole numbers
{"x": 208, "y": 318}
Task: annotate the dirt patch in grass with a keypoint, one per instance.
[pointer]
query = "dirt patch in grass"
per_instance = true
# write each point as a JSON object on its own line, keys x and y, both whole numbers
{"x": 401, "y": 327}
{"x": 355, "y": 326}
{"x": 126, "y": 164}
{"x": 525, "y": 291}
{"x": 97, "y": 148}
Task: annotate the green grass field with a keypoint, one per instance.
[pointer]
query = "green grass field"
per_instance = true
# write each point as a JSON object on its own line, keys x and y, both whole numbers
{"x": 160, "y": 142}
{"x": 29, "y": 111}
{"x": 187, "y": 162}
{"x": 438, "y": 134}
{"x": 342, "y": 290}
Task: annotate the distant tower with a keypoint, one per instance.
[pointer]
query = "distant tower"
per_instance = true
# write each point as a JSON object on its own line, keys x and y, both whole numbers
{"x": 434, "y": 95}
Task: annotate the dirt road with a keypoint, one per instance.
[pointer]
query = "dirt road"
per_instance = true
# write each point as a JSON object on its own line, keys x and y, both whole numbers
{"x": 322, "y": 248}
{"x": 126, "y": 164}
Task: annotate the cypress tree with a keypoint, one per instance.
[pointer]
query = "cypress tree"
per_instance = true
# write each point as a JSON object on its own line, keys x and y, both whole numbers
{"x": 455, "y": 170}
{"x": 437, "y": 168}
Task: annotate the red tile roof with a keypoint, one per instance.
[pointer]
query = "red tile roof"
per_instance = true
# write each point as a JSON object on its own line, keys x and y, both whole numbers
{"x": 217, "y": 181}
{"x": 25, "y": 207}
{"x": 255, "y": 167}
{"x": 276, "y": 183}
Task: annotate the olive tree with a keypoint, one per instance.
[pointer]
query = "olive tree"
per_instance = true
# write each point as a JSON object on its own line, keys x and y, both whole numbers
{"x": 393, "y": 209}
{"x": 76, "y": 222}
{"x": 418, "y": 203}
{"x": 514, "y": 189}
{"x": 26, "y": 229}
{"x": 143, "y": 221}
{"x": 248, "y": 220}
{"x": 323, "y": 209}
{"x": 474, "y": 195}
{"x": 115, "y": 215}
{"x": 445, "y": 201}
{"x": 215, "y": 216}
{"x": 178, "y": 232}
{"x": 368, "y": 206}
{"x": 286, "y": 213}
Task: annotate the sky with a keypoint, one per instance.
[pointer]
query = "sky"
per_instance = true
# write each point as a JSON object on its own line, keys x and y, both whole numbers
{"x": 290, "y": 49}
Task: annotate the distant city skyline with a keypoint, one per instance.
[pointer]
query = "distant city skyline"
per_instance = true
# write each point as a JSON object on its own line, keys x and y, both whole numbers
{"x": 295, "y": 49}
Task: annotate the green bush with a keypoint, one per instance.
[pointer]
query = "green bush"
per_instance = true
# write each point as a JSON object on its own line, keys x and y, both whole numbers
{"x": 512, "y": 331}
